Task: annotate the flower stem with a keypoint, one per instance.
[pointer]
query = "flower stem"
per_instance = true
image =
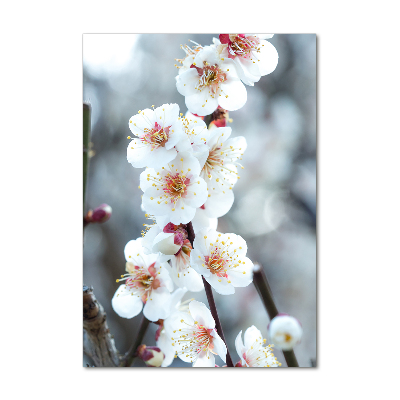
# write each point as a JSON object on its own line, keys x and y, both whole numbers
{"x": 261, "y": 283}
{"x": 131, "y": 353}
{"x": 211, "y": 301}
{"x": 86, "y": 136}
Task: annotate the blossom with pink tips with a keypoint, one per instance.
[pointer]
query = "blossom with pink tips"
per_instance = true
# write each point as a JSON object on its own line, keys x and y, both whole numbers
{"x": 147, "y": 282}
{"x": 158, "y": 131}
{"x": 194, "y": 336}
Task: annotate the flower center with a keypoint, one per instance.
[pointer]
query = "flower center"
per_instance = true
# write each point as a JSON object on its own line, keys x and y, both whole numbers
{"x": 175, "y": 186}
{"x": 209, "y": 76}
{"x": 157, "y": 136}
{"x": 242, "y": 46}
{"x": 216, "y": 263}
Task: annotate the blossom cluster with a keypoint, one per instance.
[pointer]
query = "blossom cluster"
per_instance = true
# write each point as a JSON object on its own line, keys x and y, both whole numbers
{"x": 190, "y": 170}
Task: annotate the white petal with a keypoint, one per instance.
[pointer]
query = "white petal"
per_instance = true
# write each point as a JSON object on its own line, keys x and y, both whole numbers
{"x": 252, "y": 335}
{"x": 218, "y": 204}
{"x": 165, "y": 345}
{"x": 219, "y": 346}
{"x": 137, "y": 153}
{"x": 220, "y": 285}
{"x": 126, "y": 305}
{"x": 146, "y": 119}
{"x": 205, "y": 361}
{"x": 239, "y": 345}
{"x": 176, "y": 298}
{"x": 201, "y": 103}
{"x": 201, "y": 314}
{"x": 268, "y": 58}
{"x": 237, "y": 95}
{"x": 147, "y": 241}
{"x": 187, "y": 81}
{"x": 145, "y": 181}
{"x": 197, "y": 193}
{"x": 158, "y": 304}
{"x": 164, "y": 243}
{"x": 166, "y": 114}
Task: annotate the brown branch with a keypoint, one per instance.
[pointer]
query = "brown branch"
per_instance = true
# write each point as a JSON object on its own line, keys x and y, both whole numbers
{"x": 98, "y": 343}
{"x": 131, "y": 353}
{"x": 261, "y": 283}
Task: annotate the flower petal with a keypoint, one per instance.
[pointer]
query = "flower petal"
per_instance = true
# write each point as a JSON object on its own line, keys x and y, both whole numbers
{"x": 126, "y": 305}
{"x": 201, "y": 314}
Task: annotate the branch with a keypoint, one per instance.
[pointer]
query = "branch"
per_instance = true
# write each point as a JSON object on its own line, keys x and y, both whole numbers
{"x": 131, "y": 353}
{"x": 98, "y": 343}
{"x": 86, "y": 136}
{"x": 211, "y": 301}
{"x": 261, "y": 283}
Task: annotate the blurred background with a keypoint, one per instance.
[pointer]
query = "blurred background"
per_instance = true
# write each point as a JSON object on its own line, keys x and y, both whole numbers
{"x": 275, "y": 199}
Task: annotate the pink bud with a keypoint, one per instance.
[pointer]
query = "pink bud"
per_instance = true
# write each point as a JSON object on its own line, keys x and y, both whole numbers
{"x": 100, "y": 214}
{"x": 151, "y": 355}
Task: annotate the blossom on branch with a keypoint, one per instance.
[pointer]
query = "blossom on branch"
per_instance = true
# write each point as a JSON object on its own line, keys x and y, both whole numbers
{"x": 175, "y": 190}
{"x": 147, "y": 282}
{"x": 221, "y": 259}
{"x": 285, "y": 331}
{"x": 172, "y": 241}
{"x": 158, "y": 132}
{"x": 194, "y": 336}
{"x": 211, "y": 81}
{"x": 253, "y": 56}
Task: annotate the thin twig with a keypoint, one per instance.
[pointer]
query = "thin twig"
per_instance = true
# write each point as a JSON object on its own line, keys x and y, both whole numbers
{"x": 261, "y": 283}
{"x": 211, "y": 301}
{"x": 131, "y": 353}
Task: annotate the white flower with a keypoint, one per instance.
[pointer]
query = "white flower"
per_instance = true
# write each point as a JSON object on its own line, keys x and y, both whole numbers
{"x": 209, "y": 82}
{"x": 253, "y": 57}
{"x": 220, "y": 170}
{"x": 163, "y": 336}
{"x": 147, "y": 282}
{"x": 158, "y": 132}
{"x": 194, "y": 336}
{"x": 174, "y": 191}
{"x": 173, "y": 242}
{"x": 252, "y": 353}
{"x": 221, "y": 259}
{"x": 284, "y": 331}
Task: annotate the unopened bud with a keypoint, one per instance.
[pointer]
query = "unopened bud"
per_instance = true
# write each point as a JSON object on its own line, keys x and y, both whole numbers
{"x": 152, "y": 356}
{"x": 100, "y": 214}
{"x": 284, "y": 331}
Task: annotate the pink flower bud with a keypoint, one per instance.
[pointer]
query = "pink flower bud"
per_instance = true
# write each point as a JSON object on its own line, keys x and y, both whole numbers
{"x": 151, "y": 355}
{"x": 100, "y": 214}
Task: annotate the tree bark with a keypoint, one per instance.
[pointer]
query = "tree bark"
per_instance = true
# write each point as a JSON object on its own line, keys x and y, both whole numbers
{"x": 98, "y": 342}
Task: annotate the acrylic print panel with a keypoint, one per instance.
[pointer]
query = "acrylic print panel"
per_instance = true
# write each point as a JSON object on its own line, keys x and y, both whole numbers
{"x": 199, "y": 200}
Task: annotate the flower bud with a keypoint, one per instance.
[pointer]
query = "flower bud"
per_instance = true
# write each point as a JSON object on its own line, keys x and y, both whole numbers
{"x": 285, "y": 331}
{"x": 100, "y": 214}
{"x": 151, "y": 355}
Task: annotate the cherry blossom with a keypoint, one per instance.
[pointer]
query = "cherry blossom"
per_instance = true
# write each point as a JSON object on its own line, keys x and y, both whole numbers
{"x": 175, "y": 190}
{"x": 220, "y": 170}
{"x": 211, "y": 81}
{"x": 194, "y": 336}
{"x": 147, "y": 282}
{"x": 221, "y": 259}
{"x": 253, "y": 56}
{"x": 252, "y": 353}
{"x": 173, "y": 242}
{"x": 285, "y": 331}
{"x": 158, "y": 132}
